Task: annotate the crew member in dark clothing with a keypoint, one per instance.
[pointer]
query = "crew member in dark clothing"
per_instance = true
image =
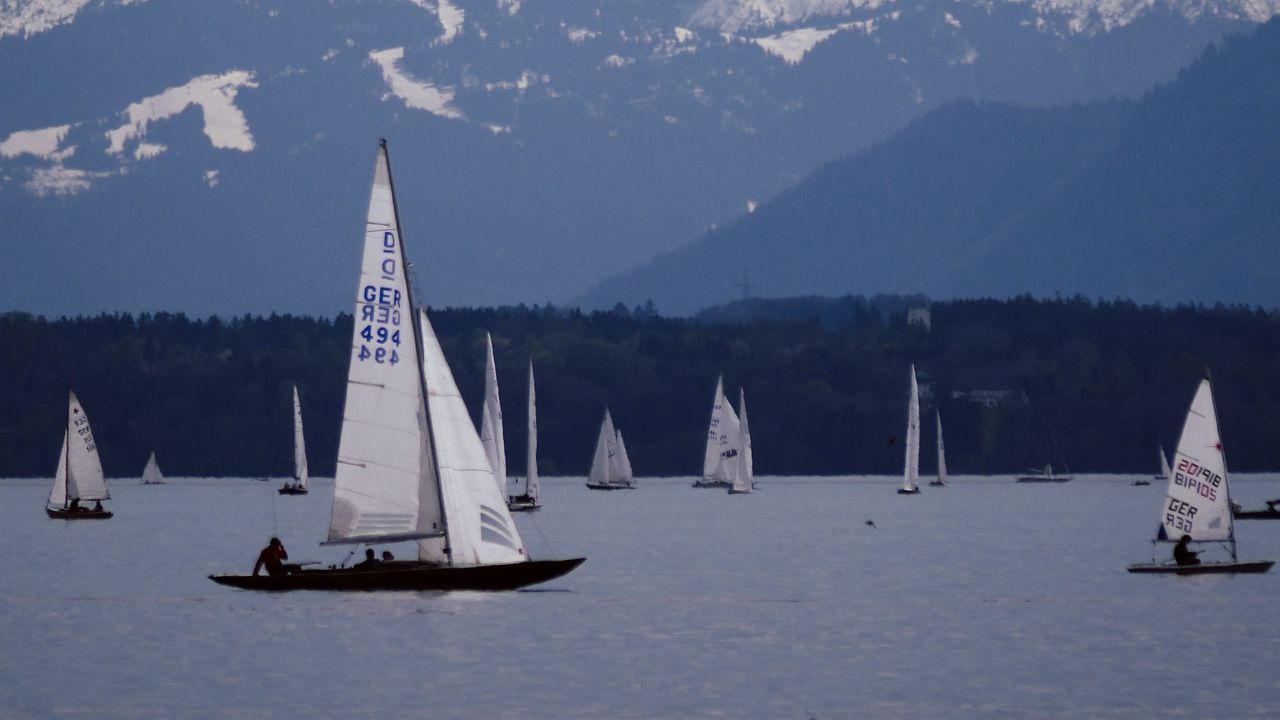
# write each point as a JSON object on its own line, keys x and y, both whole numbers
{"x": 97, "y": 507}
{"x": 1184, "y": 555}
{"x": 370, "y": 562}
{"x": 272, "y": 558}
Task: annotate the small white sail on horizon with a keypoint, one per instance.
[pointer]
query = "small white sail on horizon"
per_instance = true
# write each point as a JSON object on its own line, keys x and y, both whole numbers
{"x": 151, "y": 474}
{"x": 911, "y": 469}
{"x": 532, "y": 497}
{"x": 942, "y": 452}
{"x": 724, "y": 433}
{"x": 623, "y": 470}
{"x": 607, "y": 465}
{"x": 1164, "y": 462}
{"x": 300, "y": 472}
{"x": 79, "y": 475}
{"x": 491, "y": 437}
{"x": 744, "y": 475}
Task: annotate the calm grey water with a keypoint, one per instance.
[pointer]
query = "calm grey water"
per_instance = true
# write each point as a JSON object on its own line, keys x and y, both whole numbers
{"x": 983, "y": 599}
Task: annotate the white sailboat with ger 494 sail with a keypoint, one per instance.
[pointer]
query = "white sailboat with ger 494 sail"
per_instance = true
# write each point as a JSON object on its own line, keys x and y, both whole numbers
{"x": 410, "y": 465}
{"x": 300, "y": 475}
{"x": 1197, "y": 506}
{"x": 79, "y": 476}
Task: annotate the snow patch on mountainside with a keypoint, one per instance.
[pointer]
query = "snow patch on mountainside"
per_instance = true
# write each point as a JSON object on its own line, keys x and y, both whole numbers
{"x": 42, "y": 143}
{"x": 31, "y": 17}
{"x": 224, "y": 124}
{"x": 450, "y": 16}
{"x": 58, "y": 179}
{"x": 1080, "y": 16}
{"x": 416, "y": 94}
{"x": 793, "y": 45}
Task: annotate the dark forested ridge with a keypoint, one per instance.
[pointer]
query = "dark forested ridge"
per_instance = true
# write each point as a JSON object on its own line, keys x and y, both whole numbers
{"x": 826, "y": 383}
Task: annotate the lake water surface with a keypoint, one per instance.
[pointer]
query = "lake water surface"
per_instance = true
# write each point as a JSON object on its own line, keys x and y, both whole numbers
{"x": 982, "y": 599}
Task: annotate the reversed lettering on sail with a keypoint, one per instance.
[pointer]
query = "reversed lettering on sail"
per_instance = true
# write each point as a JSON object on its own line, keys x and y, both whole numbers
{"x": 383, "y": 457}
{"x": 1197, "y": 502}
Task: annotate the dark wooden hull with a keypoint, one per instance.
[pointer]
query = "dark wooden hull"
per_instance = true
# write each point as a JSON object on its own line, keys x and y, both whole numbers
{"x": 1137, "y": 483}
{"x": 739, "y": 492}
{"x": 1044, "y": 479}
{"x": 596, "y": 486}
{"x": 293, "y": 490}
{"x": 711, "y": 484}
{"x": 904, "y": 491}
{"x": 409, "y": 576}
{"x": 935, "y": 483}
{"x": 1259, "y": 566}
{"x": 60, "y": 514}
{"x": 1256, "y": 514}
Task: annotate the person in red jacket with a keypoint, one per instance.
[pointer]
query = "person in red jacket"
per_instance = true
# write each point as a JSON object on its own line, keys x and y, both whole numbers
{"x": 272, "y": 558}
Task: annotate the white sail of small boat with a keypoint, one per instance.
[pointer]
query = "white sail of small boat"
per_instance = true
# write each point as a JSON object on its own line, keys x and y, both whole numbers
{"x": 1164, "y": 463}
{"x": 623, "y": 470}
{"x": 744, "y": 475}
{"x": 531, "y": 499}
{"x": 724, "y": 431}
{"x": 1197, "y": 504}
{"x": 495, "y": 447}
{"x": 151, "y": 474}
{"x": 911, "y": 469}
{"x": 410, "y": 464}
{"x": 606, "y": 464}
{"x": 942, "y": 454}
{"x": 79, "y": 477}
{"x": 300, "y": 475}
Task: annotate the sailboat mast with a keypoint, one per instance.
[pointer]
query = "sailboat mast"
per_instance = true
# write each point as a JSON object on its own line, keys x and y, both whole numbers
{"x": 417, "y": 333}
{"x": 1222, "y": 450}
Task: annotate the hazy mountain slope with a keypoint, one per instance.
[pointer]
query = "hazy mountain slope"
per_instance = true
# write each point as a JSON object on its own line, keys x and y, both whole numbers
{"x": 215, "y": 156}
{"x": 1170, "y": 198}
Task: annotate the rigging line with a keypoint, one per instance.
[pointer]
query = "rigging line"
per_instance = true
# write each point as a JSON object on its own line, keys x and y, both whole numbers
{"x": 533, "y": 518}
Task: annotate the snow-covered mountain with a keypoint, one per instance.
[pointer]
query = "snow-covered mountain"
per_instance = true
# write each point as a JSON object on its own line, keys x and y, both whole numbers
{"x": 214, "y": 157}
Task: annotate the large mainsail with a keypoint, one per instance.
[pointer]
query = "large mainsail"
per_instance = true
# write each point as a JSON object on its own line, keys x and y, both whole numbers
{"x": 1198, "y": 502}
{"x": 531, "y": 449}
{"x": 385, "y": 486}
{"x": 724, "y": 440}
{"x": 495, "y": 448}
{"x": 480, "y": 528}
{"x": 299, "y": 443}
{"x": 85, "y": 480}
{"x": 151, "y": 474}
{"x": 942, "y": 452}
{"x": 603, "y": 463}
{"x": 911, "y": 471}
{"x": 745, "y": 470}
{"x": 711, "y": 459}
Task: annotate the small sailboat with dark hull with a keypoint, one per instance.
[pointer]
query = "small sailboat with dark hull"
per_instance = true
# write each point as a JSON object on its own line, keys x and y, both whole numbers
{"x": 151, "y": 474}
{"x": 300, "y": 476}
{"x": 1270, "y": 512}
{"x": 911, "y": 464}
{"x": 410, "y": 464}
{"x": 1197, "y": 506}
{"x": 610, "y": 466}
{"x": 79, "y": 477}
{"x": 531, "y": 498}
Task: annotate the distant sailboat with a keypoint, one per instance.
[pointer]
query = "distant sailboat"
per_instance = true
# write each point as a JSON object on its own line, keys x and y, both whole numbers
{"x": 942, "y": 456}
{"x": 911, "y": 464}
{"x": 410, "y": 465}
{"x": 744, "y": 475}
{"x": 531, "y": 499}
{"x": 1047, "y": 475}
{"x": 151, "y": 474}
{"x": 495, "y": 446}
{"x": 79, "y": 476}
{"x": 299, "y": 484}
{"x": 607, "y": 469}
{"x": 1164, "y": 469}
{"x": 1198, "y": 502}
{"x": 724, "y": 432}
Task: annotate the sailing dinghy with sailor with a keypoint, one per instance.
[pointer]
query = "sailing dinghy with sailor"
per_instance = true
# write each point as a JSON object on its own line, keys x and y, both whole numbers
{"x": 410, "y": 465}
{"x": 79, "y": 477}
{"x": 300, "y": 475}
{"x": 1197, "y": 506}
